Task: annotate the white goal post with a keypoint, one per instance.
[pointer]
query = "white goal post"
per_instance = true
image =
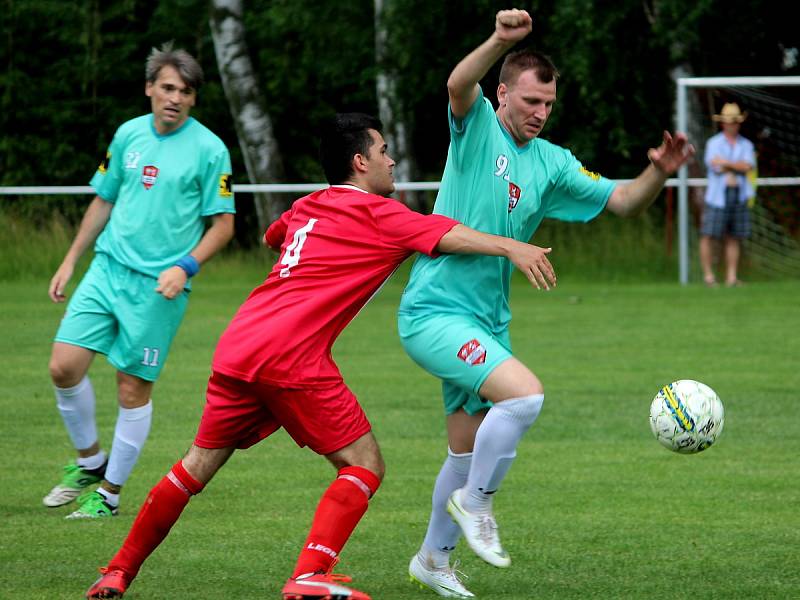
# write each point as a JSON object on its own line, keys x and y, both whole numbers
{"x": 682, "y": 123}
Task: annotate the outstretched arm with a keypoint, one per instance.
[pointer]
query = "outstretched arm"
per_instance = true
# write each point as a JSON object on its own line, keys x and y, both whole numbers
{"x": 529, "y": 259}
{"x": 462, "y": 86}
{"x": 634, "y": 197}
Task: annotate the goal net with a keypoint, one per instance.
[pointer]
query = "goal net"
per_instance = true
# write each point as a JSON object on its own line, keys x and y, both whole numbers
{"x": 772, "y": 105}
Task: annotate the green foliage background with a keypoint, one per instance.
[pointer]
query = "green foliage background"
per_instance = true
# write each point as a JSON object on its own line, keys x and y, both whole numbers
{"x": 71, "y": 71}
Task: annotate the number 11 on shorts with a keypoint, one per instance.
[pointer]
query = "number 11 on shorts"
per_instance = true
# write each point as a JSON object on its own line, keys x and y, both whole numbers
{"x": 150, "y": 358}
{"x": 292, "y": 255}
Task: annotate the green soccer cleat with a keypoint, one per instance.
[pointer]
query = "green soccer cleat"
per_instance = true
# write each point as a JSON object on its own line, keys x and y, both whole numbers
{"x": 93, "y": 505}
{"x": 75, "y": 480}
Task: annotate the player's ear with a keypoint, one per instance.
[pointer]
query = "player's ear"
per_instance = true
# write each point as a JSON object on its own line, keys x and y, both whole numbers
{"x": 502, "y": 94}
{"x": 148, "y": 88}
{"x": 359, "y": 163}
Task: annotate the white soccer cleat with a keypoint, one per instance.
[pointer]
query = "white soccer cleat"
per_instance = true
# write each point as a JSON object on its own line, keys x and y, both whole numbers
{"x": 480, "y": 531}
{"x": 444, "y": 582}
{"x": 60, "y": 495}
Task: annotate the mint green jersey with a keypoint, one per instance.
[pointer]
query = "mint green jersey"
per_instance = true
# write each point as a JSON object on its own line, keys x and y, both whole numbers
{"x": 492, "y": 185}
{"x": 162, "y": 188}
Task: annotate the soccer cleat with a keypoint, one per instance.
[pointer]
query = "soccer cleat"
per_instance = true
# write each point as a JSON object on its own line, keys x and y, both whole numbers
{"x": 112, "y": 584}
{"x": 75, "y": 480}
{"x": 93, "y": 505}
{"x": 444, "y": 582}
{"x": 480, "y": 531}
{"x": 320, "y": 586}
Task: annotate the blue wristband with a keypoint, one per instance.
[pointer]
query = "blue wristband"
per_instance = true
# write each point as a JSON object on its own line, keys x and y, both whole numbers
{"x": 189, "y": 264}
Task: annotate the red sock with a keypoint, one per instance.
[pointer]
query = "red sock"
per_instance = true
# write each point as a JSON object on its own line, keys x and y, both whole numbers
{"x": 162, "y": 508}
{"x": 339, "y": 511}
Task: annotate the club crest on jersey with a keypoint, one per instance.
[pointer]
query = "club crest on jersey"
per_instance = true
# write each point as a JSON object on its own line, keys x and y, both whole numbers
{"x": 514, "y": 194}
{"x": 473, "y": 353}
{"x": 149, "y": 175}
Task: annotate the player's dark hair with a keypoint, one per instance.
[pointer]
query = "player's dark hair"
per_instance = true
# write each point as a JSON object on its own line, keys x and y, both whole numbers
{"x": 342, "y": 138}
{"x": 527, "y": 59}
{"x": 184, "y": 63}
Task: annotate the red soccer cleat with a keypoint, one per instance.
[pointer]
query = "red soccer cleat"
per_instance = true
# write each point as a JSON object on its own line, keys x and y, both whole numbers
{"x": 321, "y": 586}
{"x": 112, "y": 584}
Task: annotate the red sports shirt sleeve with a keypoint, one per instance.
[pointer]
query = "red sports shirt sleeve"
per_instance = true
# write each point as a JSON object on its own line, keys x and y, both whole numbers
{"x": 402, "y": 228}
{"x": 276, "y": 232}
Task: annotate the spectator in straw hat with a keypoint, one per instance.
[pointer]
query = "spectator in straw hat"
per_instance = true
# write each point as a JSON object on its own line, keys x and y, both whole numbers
{"x": 728, "y": 158}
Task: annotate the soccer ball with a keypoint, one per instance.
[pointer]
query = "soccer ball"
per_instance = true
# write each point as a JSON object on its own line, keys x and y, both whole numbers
{"x": 686, "y": 416}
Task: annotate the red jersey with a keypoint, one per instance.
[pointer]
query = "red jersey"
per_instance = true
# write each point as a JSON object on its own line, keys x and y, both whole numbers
{"x": 338, "y": 246}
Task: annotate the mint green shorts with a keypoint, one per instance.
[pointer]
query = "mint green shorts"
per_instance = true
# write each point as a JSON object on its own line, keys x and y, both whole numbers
{"x": 117, "y": 312}
{"x": 459, "y": 351}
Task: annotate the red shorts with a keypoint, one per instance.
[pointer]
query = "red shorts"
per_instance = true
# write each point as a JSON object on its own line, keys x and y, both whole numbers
{"x": 240, "y": 414}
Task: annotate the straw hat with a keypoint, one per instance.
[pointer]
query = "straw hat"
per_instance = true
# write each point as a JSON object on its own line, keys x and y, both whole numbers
{"x": 730, "y": 113}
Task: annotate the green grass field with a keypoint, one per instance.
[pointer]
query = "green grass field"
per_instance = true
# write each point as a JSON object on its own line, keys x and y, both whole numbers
{"x": 593, "y": 508}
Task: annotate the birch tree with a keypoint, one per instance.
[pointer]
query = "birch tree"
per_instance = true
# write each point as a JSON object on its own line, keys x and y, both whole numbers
{"x": 392, "y": 111}
{"x": 254, "y": 129}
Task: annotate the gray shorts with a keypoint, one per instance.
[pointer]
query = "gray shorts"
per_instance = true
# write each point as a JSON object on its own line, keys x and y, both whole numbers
{"x": 732, "y": 221}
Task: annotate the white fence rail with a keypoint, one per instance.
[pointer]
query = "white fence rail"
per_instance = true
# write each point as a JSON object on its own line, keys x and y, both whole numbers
{"x": 238, "y": 188}
{"x": 303, "y": 188}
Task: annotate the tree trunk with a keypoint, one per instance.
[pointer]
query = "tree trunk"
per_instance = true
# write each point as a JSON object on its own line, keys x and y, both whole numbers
{"x": 262, "y": 155}
{"x": 391, "y": 112}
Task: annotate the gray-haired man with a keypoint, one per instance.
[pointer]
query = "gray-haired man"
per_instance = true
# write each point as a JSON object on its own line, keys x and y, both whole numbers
{"x": 164, "y": 174}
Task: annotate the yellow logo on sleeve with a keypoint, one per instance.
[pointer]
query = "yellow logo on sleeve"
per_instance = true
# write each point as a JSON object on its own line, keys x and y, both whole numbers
{"x": 590, "y": 174}
{"x": 104, "y": 164}
{"x": 225, "y": 185}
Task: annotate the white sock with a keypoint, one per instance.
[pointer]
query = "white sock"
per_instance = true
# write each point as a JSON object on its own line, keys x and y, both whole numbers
{"x": 443, "y": 533}
{"x": 133, "y": 426}
{"x": 434, "y": 559}
{"x": 90, "y": 463}
{"x": 76, "y": 405}
{"x": 112, "y": 499}
{"x": 496, "y": 447}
